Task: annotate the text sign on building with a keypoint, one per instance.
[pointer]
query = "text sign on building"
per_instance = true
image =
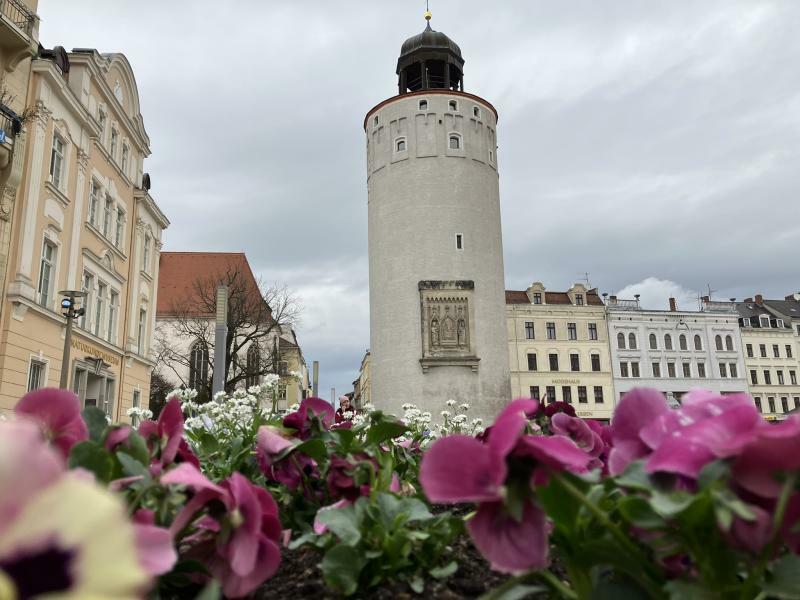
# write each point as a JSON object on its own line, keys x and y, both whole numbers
{"x": 95, "y": 352}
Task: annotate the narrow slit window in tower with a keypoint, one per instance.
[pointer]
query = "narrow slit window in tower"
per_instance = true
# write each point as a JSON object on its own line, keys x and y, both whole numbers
{"x": 453, "y": 105}
{"x": 423, "y": 105}
{"x": 459, "y": 241}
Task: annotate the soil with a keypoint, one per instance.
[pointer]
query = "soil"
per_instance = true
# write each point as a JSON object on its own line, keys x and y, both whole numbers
{"x": 299, "y": 577}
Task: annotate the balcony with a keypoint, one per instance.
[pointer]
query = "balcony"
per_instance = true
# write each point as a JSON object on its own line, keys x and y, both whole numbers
{"x": 18, "y": 29}
{"x": 10, "y": 126}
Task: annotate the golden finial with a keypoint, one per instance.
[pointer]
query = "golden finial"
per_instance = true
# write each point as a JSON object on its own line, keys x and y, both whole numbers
{"x": 428, "y": 13}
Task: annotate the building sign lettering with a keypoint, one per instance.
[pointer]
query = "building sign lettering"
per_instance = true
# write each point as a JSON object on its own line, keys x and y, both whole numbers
{"x": 106, "y": 357}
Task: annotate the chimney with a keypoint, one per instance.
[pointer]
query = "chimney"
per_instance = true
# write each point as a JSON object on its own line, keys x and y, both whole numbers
{"x": 759, "y": 299}
{"x": 748, "y": 300}
{"x": 612, "y": 298}
{"x": 673, "y": 305}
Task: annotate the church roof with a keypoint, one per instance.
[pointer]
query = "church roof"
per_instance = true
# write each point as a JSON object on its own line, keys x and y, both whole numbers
{"x": 429, "y": 39}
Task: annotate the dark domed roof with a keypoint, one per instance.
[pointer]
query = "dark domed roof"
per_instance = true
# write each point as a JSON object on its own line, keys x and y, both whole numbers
{"x": 429, "y": 39}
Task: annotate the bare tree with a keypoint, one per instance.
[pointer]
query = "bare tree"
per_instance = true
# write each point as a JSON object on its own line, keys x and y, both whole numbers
{"x": 257, "y": 315}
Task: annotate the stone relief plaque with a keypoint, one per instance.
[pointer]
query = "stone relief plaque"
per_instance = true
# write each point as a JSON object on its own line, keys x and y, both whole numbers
{"x": 447, "y": 319}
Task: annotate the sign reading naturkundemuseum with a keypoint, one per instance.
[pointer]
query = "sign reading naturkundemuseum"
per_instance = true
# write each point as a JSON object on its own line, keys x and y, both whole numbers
{"x": 106, "y": 357}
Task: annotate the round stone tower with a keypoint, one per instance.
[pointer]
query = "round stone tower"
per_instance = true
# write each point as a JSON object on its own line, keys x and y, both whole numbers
{"x": 437, "y": 294}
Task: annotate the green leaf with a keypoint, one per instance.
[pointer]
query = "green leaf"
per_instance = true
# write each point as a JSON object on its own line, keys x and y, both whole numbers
{"x": 385, "y": 430}
{"x": 212, "y": 591}
{"x": 94, "y": 458}
{"x": 95, "y": 420}
{"x": 617, "y": 590}
{"x": 132, "y": 467}
{"x": 635, "y": 477}
{"x": 417, "y": 584}
{"x": 518, "y": 591}
{"x": 137, "y": 448}
{"x": 639, "y": 512}
{"x": 683, "y": 590}
{"x": 416, "y": 510}
{"x": 560, "y": 505}
{"x": 314, "y": 448}
{"x": 670, "y": 504}
{"x": 345, "y": 438}
{"x": 343, "y": 522}
{"x": 341, "y": 568}
{"x": 784, "y": 581}
{"x": 712, "y": 472}
{"x": 445, "y": 571}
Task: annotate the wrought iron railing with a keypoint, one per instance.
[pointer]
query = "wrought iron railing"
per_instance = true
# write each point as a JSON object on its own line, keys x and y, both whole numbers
{"x": 10, "y": 123}
{"x": 623, "y": 304}
{"x": 19, "y": 14}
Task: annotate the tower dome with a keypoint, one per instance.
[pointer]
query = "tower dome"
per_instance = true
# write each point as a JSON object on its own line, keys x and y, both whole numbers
{"x": 430, "y": 60}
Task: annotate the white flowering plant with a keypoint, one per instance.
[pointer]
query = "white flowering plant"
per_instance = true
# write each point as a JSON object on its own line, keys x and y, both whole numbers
{"x": 423, "y": 429}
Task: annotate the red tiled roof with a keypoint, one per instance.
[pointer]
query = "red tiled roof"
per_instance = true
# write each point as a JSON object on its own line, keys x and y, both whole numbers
{"x": 178, "y": 272}
{"x": 521, "y": 297}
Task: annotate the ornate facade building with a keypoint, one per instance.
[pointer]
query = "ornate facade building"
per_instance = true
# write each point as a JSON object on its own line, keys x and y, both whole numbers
{"x": 437, "y": 312}
{"x": 558, "y": 348}
{"x": 84, "y": 220}
{"x": 674, "y": 350}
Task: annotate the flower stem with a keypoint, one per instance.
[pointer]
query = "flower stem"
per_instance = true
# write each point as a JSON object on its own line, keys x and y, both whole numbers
{"x": 545, "y": 576}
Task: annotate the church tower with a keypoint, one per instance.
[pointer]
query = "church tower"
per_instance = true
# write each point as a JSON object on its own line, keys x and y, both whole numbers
{"x": 437, "y": 292}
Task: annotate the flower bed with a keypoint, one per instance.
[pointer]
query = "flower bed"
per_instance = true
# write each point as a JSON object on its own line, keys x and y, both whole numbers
{"x": 229, "y": 498}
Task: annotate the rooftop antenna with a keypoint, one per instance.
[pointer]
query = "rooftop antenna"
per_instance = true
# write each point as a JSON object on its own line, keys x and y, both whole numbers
{"x": 585, "y": 277}
{"x": 710, "y": 291}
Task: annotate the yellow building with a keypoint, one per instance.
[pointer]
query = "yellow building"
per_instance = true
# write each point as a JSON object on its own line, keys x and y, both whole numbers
{"x": 558, "y": 348}
{"x": 84, "y": 220}
{"x": 295, "y": 382}
{"x": 362, "y": 386}
{"x": 770, "y": 357}
{"x": 19, "y": 32}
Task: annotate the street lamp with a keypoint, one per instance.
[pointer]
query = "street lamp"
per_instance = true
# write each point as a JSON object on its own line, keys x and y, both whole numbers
{"x": 71, "y": 313}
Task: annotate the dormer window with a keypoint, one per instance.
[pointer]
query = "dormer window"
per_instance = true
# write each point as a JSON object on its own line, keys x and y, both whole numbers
{"x": 578, "y": 299}
{"x": 537, "y": 297}
{"x": 423, "y": 105}
{"x": 764, "y": 321}
{"x": 453, "y": 105}
{"x": 745, "y": 321}
{"x": 400, "y": 145}
{"x": 455, "y": 141}
{"x": 780, "y": 323}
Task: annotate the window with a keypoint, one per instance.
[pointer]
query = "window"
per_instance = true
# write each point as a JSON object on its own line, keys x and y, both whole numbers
{"x": 94, "y": 201}
{"x": 749, "y": 350}
{"x": 551, "y": 394}
{"x": 534, "y": 392}
{"x": 779, "y": 323}
{"x": 653, "y": 342}
{"x": 47, "y": 273}
{"x": 553, "y": 362}
{"x": 788, "y": 351}
{"x": 476, "y": 112}
{"x": 793, "y": 377}
{"x": 459, "y": 241}
{"x": 595, "y": 362}
{"x": 57, "y": 161}
{"x": 745, "y": 321}
{"x": 114, "y": 142}
{"x": 375, "y": 120}
{"x": 136, "y": 402}
{"x": 423, "y": 105}
{"x": 621, "y": 341}
{"x": 87, "y": 285}
{"x": 635, "y": 369}
{"x": 671, "y": 370}
{"x": 455, "y": 142}
{"x": 592, "y": 331}
{"x": 99, "y": 307}
{"x": 632, "y": 341}
{"x": 142, "y": 332}
{"x": 198, "y": 366}
{"x": 723, "y": 370}
{"x": 575, "y": 362}
{"x": 537, "y": 298}
{"x": 776, "y": 350}
{"x": 107, "y": 214}
{"x": 532, "y": 366}
{"x": 113, "y": 309}
{"x": 453, "y": 105}
{"x": 785, "y": 404}
{"x": 763, "y": 350}
{"x": 529, "y": 333}
{"x": 400, "y": 145}
{"x": 598, "y": 394}
{"x": 578, "y": 299}
{"x": 698, "y": 343}
{"x": 572, "y": 331}
{"x": 582, "y": 398}
{"x": 102, "y": 119}
{"x": 125, "y": 156}
{"x": 687, "y": 369}
{"x": 798, "y": 330}
{"x": 758, "y": 404}
{"x": 797, "y": 402}
{"x": 253, "y": 365}
{"x": 283, "y": 368}
{"x": 656, "y": 369}
{"x": 771, "y": 402}
{"x": 282, "y": 391}
{"x": 668, "y": 342}
{"x": 120, "y": 228}
{"x": 701, "y": 370}
{"x": 728, "y": 343}
{"x": 566, "y": 392}
{"x": 767, "y": 377}
{"x": 780, "y": 377}
{"x": 764, "y": 321}
{"x": 682, "y": 342}
{"x": 36, "y": 372}
{"x": 718, "y": 342}
{"x": 623, "y": 369}
{"x": 754, "y": 377}
{"x": 146, "y": 254}
{"x": 733, "y": 370}
{"x": 551, "y": 331}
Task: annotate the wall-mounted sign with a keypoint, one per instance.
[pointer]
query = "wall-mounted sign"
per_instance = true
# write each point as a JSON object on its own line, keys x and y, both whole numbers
{"x": 566, "y": 381}
{"x": 95, "y": 352}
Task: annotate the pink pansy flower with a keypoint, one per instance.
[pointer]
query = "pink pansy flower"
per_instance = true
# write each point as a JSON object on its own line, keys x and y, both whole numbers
{"x": 775, "y": 450}
{"x": 349, "y": 478}
{"x": 636, "y": 410}
{"x": 462, "y": 469}
{"x": 165, "y": 438}
{"x": 58, "y": 413}
{"x": 302, "y": 419}
{"x": 156, "y": 551}
{"x": 554, "y": 408}
{"x": 276, "y": 465}
{"x": 240, "y": 547}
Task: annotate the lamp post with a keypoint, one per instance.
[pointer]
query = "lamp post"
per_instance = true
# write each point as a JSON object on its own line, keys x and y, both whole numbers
{"x": 71, "y": 313}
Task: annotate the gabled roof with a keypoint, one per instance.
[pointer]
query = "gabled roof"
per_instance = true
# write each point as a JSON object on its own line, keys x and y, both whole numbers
{"x": 521, "y": 297}
{"x": 179, "y": 271}
{"x": 786, "y": 308}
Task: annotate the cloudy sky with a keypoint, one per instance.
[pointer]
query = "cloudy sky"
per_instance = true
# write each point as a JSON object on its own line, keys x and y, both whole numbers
{"x": 650, "y": 144}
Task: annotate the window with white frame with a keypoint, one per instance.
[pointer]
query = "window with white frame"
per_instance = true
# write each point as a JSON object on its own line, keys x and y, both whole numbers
{"x": 108, "y": 214}
{"x": 120, "y": 230}
{"x": 94, "y": 202}
{"x": 198, "y": 366}
{"x": 146, "y": 254}
{"x": 764, "y": 321}
{"x": 400, "y": 145}
{"x": 114, "y": 142}
{"x": 57, "y": 161}
{"x": 36, "y": 374}
{"x": 698, "y": 342}
{"x": 102, "y": 118}
{"x": 100, "y": 308}
{"x": 423, "y": 105}
{"x": 455, "y": 141}
{"x": 87, "y": 286}
{"x": 142, "y": 329}
{"x": 126, "y": 153}
{"x": 47, "y": 271}
{"x": 113, "y": 311}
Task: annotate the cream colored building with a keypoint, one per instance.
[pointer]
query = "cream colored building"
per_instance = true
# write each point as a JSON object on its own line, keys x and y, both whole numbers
{"x": 295, "y": 381}
{"x": 558, "y": 348}
{"x": 363, "y": 389}
{"x": 19, "y": 32}
{"x": 771, "y": 358}
{"x": 83, "y": 220}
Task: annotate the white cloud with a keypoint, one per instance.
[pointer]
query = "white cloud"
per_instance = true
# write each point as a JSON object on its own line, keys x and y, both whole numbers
{"x": 655, "y": 294}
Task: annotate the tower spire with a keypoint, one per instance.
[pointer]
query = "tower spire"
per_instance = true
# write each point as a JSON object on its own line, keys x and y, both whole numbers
{"x": 428, "y": 14}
